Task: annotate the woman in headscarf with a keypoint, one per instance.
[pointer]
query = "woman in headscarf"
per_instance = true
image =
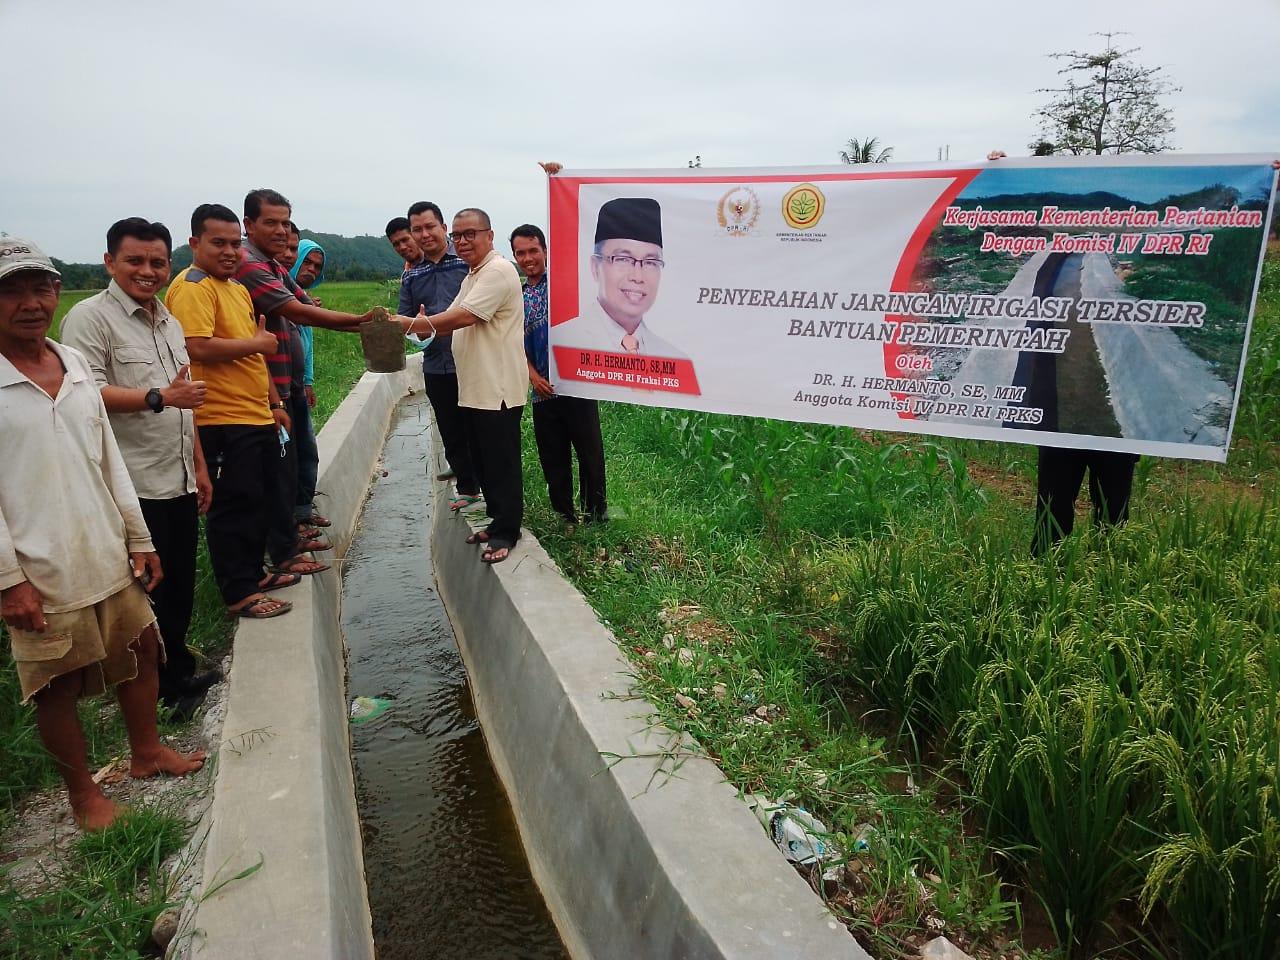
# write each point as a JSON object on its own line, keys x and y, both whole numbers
{"x": 307, "y": 272}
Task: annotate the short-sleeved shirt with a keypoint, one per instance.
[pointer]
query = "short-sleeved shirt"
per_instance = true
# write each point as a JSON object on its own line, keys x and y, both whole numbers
{"x": 433, "y": 285}
{"x": 535, "y": 327}
{"x": 128, "y": 346}
{"x": 490, "y": 353}
{"x": 270, "y": 287}
{"x": 69, "y": 517}
{"x": 236, "y": 390}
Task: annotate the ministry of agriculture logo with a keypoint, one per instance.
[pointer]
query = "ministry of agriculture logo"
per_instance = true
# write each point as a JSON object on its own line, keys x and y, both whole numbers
{"x": 803, "y": 206}
{"x": 738, "y": 211}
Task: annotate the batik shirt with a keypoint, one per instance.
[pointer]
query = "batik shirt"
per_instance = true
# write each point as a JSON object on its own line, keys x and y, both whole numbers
{"x": 535, "y": 327}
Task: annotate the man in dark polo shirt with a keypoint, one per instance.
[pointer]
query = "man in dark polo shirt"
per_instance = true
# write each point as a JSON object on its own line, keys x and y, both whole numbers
{"x": 277, "y": 297}
{"x": 138, "y": 353}
{"x": 431, "y": 284}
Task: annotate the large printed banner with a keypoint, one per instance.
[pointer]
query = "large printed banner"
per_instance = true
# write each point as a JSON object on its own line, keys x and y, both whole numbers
{"x": 1097, "y": 303}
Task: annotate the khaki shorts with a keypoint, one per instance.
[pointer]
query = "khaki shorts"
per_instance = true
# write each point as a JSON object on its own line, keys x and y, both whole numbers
{"x": 98, "y": 640}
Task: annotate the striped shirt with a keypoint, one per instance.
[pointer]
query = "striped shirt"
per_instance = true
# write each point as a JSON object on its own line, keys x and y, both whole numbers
{"x": 271, "y": 288}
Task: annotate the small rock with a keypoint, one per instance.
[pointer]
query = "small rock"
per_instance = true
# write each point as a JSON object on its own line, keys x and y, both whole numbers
{"x": 165, "y": 929}
{"x": 719, "y": 691}
{"x": 669, "y": 640}
{"x": 685, "y": 703}
{"x": 943, "y": 949}
{"x": 685, "y": 656}
{"x": 651, "y": 654}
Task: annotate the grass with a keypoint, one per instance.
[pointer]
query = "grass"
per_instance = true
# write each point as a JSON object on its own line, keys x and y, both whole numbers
{"x": 106, "y": 905}
{"x": 1077, "y": 755}
{"x": 104, "y": 901}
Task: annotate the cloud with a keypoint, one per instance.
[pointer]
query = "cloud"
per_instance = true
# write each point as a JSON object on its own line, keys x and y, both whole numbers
{"x": 355, "y": 111}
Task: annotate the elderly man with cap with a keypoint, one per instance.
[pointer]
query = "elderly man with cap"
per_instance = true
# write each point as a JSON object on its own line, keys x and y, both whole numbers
{"x": 627, "y": 268}
{"x": 75, "y": 554}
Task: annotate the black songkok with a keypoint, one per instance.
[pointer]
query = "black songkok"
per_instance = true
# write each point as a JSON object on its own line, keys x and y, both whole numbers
{"x": 630, "y": 218}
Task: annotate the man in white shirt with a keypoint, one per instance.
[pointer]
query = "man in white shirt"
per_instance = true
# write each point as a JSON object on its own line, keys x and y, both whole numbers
{"x": 487, "y": 323}
{"x": 75, "y": 553}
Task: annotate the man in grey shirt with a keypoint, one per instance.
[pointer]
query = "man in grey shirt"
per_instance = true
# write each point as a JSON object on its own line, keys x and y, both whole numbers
{"x": 138, "y": 354}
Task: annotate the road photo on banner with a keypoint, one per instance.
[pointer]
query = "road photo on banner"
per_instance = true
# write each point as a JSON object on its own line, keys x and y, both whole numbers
{"x": 1099, "y": 302}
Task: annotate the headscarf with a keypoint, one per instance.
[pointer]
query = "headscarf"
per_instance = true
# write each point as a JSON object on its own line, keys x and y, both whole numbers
{"x": 304, "y": 248}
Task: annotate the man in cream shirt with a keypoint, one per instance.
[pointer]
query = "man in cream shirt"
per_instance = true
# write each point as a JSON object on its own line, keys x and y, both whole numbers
{"x": 487, "y": 322}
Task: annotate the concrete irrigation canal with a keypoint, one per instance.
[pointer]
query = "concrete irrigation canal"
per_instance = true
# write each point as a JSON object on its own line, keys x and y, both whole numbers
{"x": 446, "y": 872}
{"x": 478, "y": 816}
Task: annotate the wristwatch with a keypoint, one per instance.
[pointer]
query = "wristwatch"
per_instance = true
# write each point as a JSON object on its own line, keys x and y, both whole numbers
{"x": 155, "y": 399}
{"x": 278, "y": 405}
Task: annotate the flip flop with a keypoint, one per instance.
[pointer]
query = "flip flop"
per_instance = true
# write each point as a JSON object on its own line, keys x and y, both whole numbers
{"x": 296, "y": 563}
{"x": 308, "y": 545}
{"x": 248, "y": 610}
{"x": 480, "y": 536}
{"x": 308, "y": 533}
{"x": 489, "y": 555}
{"x": 278, "y": 581}
{"x": 464, "y": 500}
{"x": 318, "y": 521}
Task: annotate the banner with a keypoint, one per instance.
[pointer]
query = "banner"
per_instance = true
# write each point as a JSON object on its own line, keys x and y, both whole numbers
{"x": 1099, "y": 302}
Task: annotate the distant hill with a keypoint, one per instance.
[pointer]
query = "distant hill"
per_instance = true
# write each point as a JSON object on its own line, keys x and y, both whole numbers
{"x": 346, "y": 258}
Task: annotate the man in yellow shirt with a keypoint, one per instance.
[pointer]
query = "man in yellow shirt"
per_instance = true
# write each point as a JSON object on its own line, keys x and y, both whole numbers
{"x": 241, "y": 415}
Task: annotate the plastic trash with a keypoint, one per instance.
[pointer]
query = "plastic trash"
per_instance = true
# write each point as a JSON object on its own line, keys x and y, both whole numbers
{"x": 862, "y": 843}
{"x": 382, "y": 341}
{"x": 800, "y": 835}
{"x": 364, "y": 709}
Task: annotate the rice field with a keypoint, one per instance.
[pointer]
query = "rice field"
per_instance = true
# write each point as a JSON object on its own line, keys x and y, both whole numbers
{"x": 1071, "y": 757}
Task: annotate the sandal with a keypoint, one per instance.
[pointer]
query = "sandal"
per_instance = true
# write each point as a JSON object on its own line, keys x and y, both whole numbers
{"x": 278, "y": 581}
{"x": 308, "y": 545}
{"x": 318, "y": 521}
{"x": 480, "y": 536}
{"x": 464, "y": 500}
{"x": 300, "y": 564}
{"x": 308, "y": 533}
{"x": 495, "y": 554}
{"x": 253, "y": 609}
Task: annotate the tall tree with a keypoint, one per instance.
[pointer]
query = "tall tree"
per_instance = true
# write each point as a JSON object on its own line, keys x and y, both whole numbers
{"x": 1109, "y": 104}
{"x": 866, "y": 151}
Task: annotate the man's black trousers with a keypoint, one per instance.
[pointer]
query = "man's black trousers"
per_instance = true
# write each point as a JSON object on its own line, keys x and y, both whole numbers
{"x": 495, "y": 447}
{"x": 442, "y": 391}
{"x": 562, "y": 425}
{"x": 1059, "y": 474}
{"x": 175, "y": 531}
{"x": 244, "y": 464}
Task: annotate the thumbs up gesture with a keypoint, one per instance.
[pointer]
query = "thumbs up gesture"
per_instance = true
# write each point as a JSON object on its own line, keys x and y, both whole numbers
{"x": 264, "y": 341}
{"x": 183, "y": 392}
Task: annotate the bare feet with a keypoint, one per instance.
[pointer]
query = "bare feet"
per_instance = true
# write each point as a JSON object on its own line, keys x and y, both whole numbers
{"x": 165, "y": 761}
{"x": 94, "y": 810}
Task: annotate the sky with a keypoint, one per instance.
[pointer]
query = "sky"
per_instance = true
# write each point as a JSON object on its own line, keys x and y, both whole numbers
{"x": 356, "y": 110}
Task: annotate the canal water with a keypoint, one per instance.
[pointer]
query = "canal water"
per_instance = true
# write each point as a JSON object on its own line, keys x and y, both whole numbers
{"x": 447, "y": 874}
